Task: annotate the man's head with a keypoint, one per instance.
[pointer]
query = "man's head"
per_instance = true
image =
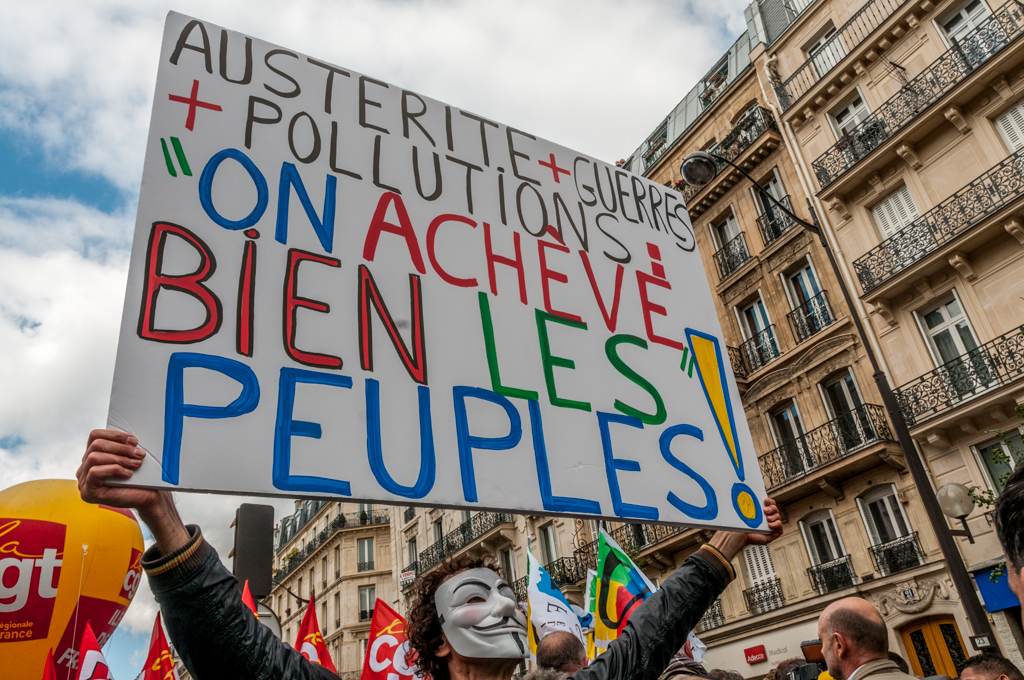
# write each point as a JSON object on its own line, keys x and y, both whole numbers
{"x": 989, "y": 666}
{"x": 852, "y": 633}
{"x": 465, "y": 610}
{"x": 1010, "y": 528}
{"x": 562, "y": 651}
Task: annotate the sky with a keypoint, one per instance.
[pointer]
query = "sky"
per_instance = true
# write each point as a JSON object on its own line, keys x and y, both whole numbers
{"x": 76, "y": 88}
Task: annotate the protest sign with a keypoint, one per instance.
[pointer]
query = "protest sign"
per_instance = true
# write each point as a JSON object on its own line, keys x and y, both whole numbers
{"x": 343, "y": 288}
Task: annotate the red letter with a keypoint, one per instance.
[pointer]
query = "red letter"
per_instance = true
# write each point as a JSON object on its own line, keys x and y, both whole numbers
{"x": 610, "y": 320}
{"x": 292, "y": 304}
{"x": 191, "y": 284}
{"x": 246, "y": 300}
{"x": 516, "y": 263}
{"x": 431, "y": 234}
{"x": 403, "y": 229}
{"x": 642, "y": 279}
{"x": 369, "y": 294}
{"x": 547, "y": 275}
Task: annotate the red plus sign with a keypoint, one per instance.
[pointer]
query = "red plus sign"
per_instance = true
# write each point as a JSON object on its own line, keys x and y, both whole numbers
{"x": 554, "y": 168}
{"x": 193, "y": 102}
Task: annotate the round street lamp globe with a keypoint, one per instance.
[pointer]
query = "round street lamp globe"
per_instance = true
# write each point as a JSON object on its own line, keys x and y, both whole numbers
{"x": 698, "y": 168}
{"x": 955, "y": 500}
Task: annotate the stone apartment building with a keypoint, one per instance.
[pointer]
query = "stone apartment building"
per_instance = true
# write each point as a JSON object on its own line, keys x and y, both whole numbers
{"x": 342, "y": 552}
{"x": 902, "y": 121}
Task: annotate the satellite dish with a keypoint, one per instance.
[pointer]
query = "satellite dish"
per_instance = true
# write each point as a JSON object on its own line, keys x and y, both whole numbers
{"x": 269, "y": 619}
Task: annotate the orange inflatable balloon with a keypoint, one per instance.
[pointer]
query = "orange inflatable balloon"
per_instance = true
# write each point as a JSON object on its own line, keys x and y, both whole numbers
{"x": 63, "y": 562}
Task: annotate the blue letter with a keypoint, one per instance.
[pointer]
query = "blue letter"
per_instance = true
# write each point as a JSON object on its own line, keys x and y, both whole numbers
{"x": 553, "y": 503}
{"x": 612, "y": 465}
{"x": 175, "y": 408}
{"x": 324, "y": 230}
{"x": 425, "y": 481}
{"x": 710, "y": 509}
{"x": 468, "y": 442}
{"x": 206, "y": 190}
{"x": 288, "y": 428}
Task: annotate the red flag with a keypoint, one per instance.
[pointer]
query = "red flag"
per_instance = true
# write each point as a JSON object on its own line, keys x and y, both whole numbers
{"x": 91, "y": 664}
{"x": 387, "y": 646}
{"x": 310, "y": 642}
{"x": 247, "y": 598}
{"x": 49, "y": 671}
{"x": 159, "y": 662}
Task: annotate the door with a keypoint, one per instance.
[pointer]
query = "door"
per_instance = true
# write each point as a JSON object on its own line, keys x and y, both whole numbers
{"x": 794, "y": 454}
{"x": 851, "y": 425}
{"x": 934, "y": 646}
{"x": 963, "y": 367}
{"x": 765, "y": 591}
{"x": 760, "y": 346}
{"x": 973, "y": 46}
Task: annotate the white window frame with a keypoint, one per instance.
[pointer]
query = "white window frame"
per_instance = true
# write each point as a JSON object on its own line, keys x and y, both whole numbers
{"x": 814, "y": 518}
{"x": 741, "y": 322}
{"x": 869, "y": 497}
{"x": 914, "y": 213}
{"x": 835, "y": 55}
{"x": 836, "y": 130}
{"x": 360, "y": 542}
{"x": 548, "y": 539}
{"x": 787, "y": 284}
{"x": 507, "y": 560}
{"x": 729, "y": 214}
{"x": 976, "y": 452}
{"x": 756, "y": 195}
{"x": 359, "y": 594}
{"x": 923, "y": 329}
{"x": 824, "y": 396}
{"x": 773, "y": 428}
{"x": 940, "y": 22}
{"x": 1018, "y": 126}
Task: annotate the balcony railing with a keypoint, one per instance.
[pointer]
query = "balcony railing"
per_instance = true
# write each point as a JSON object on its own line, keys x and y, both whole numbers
{"x": 364, "y": 566}
{"x": 811, "y": 316}
{"x": 631, "y": 537}
{"x": 409, "y": 514}
{"x": 941, "y": 76}
{"x": 834, "y": 50}
{"x": 460, "y": 537}
{"x": 737, "y": 361}
{"x": 764, "y": 597}
{"x": 519, "y": 587}
{"x": 340, "y": 522}
{"x": 899, "y": 555}
{"x": 739, "y": 139}
{"x": 774, "y": 222}
{"x": 762, "y": 349}
{"x": 832, "y": 576}
{"x": 994, "y": 364}
{"x": 732, "y": 255}
{"x": 365, "y": 615}
{"x": 565, "y": 571}
{"x": 836, "y": 439}
{"x": 713, "y": 617}
{"x": 960, "y": 212}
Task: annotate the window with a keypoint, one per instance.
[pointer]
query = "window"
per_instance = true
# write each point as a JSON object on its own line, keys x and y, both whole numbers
{"x": 1011, "y": 126}
{"x": 312, "y": 583}
{"x": 792, "y": 450}
{"x": 765, "y": 592}
{"x": 323, "y": 570}
{"x": 548, "y": 543}
{"x": 367, "y": 599}
{"x": 414, "y": 553}
{"x": 999, "y": 457}
{"x": 964, "y": 370}
{"x": 362, "y": 650}
{"x": 894, "y": 212}
{"x": 849, "y": 116}
{"x": 893, "y": 546}
{"x": 772, "y": 220}
{"x": 323, "y": 616}
{"x": 760, "y": 346}
{"x": 365, "y": 511}
{"x": 826, "y": 50}
{"x": 846, "y": 410}
{"x": 810, "y": 308}
{"x": 714, "y": 83}
{"x": 337, "y": 612}
{"x": 467, "y": 515}
{"x": 438, "y": 529}
{"x": 298, "y": 588}
{"x": 365, "y": 549}
{"x": 508, "y": 564}
{"x": 957, "y": 25}
{"x": 337, "y": 562}
{"x": 731, "y": 249}
{"x": 831, "y": 568}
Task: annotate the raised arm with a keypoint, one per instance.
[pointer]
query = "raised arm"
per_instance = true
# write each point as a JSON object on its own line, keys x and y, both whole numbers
{"x": 658, "y": 628}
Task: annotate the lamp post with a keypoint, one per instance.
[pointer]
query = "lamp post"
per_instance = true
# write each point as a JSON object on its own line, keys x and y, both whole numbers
{"x": 699, "y": 168}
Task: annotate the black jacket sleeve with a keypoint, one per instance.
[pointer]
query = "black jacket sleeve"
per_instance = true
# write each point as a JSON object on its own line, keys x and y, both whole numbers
{"x": 216, "y": 635}
{"x": 658, "y": 627}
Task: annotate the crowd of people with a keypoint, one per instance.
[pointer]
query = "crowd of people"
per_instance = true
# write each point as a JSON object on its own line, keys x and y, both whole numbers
{"x": 465, "y": 623}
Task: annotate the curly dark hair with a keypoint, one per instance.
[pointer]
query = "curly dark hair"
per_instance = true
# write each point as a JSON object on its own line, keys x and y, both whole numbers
{"x": 424, "y": 626}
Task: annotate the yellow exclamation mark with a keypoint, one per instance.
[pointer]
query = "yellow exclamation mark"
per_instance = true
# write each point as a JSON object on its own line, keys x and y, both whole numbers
{"x": 707, "y": 354}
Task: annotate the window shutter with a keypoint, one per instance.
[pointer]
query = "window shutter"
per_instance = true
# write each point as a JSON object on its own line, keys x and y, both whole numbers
{"x": 868, "y": 523}
{"x": 1011, "y": 126}
{"x": 759, "y": 564}
{"x": 895, "y": 211}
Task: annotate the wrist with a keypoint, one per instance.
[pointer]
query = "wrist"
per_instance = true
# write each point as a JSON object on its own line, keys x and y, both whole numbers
{"x": 165, "y": 523}
{"x": 728, "y": 543}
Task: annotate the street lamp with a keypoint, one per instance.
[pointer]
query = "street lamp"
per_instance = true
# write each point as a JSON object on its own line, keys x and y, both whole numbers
{"x": 956, "y": 503}
{"x": 699, "y": 168}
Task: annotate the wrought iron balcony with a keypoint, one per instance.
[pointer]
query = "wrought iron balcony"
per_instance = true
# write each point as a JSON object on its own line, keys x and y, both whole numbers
{"x": 737, "y": 361}
{"x": 846, "y": 38}
{"x": 349, "y": 520}
{"x": 365, "y": 615}
{"x": 713, "y": 617}
{"x": 811, "y": 316}
{"x": 739, "y": 139}
{"x": 732, "y": 256}
{"x": 764, "y": 597}
{"x": 460, "y": 537}
{"x": 409, "y": 514}
{"x": 832, "y": 576}
{"x": 762, "y": 349}
{"x": 565, "y": 571}
{"x": 519, "y": 587}
{"x": 957, "y": 214}
{"x": 630, "y": 537}
{"x": 941, "y": 76}
{"x": 899, "y": 555}
{"x": 364, "y": 566}
{"x": 996, "y": 363}
{"x": 850, "y": 432}
{"x": 774, "y": 223}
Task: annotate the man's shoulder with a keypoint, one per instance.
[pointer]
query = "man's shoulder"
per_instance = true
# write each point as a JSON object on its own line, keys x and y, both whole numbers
{"x": 880, "y": 669}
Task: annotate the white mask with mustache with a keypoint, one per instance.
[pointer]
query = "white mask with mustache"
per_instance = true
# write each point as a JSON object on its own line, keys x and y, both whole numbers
{"x": 480, "y": 617}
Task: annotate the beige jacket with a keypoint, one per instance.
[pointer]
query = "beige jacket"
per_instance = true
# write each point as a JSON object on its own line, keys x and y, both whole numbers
{"x": 881, "y": 669}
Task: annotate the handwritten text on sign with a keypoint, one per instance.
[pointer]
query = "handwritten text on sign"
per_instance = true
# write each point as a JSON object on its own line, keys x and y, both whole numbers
{"x": 341, "y": 287}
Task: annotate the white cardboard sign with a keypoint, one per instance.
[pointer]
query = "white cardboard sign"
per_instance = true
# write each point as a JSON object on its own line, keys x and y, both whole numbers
{"x": 342, "y": 288}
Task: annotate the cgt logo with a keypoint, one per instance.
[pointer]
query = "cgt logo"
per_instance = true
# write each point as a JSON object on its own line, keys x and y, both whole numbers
{"x": 132, "y": 577}
{"x": 31, "y": 554}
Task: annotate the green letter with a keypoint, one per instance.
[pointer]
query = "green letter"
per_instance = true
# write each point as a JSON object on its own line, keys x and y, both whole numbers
{"x": 611, "y": 349}
{"x": 492, "y": 354}
{"x": 551, "y": 361}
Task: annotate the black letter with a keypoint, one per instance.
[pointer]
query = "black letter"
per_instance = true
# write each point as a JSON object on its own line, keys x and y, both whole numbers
{"x": 513, "y": 153}
{"x": 483, "y": 136}
{"x": 331, "y": 70}
{"x": 315, "y": 152}
{"x": 409, "y": 116}
{"x": 469, "y": 180}
{"x": 363, "y": 101}
{"x": 286, "y": 95}
{"x": 251, "y": 118}
{"x": 437, "y": 175}
{"x": 183, "y": 45}
{"x": 247, "y": 77}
